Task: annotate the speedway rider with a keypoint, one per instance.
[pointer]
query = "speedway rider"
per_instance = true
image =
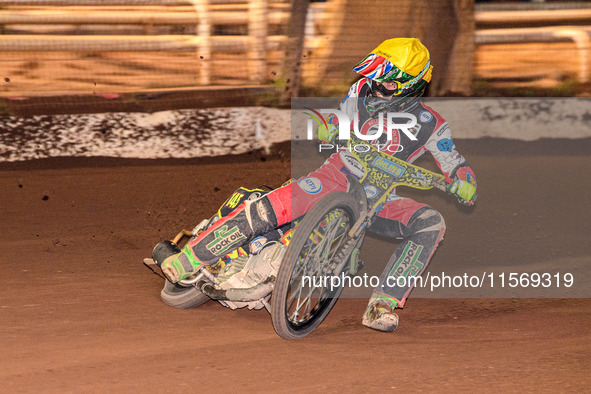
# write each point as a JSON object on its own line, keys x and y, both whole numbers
{"x": 395, "y": 75}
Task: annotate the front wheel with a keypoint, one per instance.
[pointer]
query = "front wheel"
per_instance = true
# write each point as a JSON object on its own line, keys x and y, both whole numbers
{"x": 320, "y": 249}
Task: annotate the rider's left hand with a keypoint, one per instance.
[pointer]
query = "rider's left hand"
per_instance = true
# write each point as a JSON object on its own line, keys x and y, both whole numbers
{"x": 464, "y": 191}
{"x": 327, "y": 133}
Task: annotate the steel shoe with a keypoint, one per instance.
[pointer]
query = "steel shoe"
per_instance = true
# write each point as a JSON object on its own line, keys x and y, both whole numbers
{"x": 380, "y": 316}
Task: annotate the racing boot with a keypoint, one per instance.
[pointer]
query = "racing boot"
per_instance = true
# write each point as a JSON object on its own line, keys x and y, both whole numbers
{"x": 174, "y": 265}
{"x": 180, "y": 266}
{"x": 379, "y": 314}
{"x": 164, "y": 250}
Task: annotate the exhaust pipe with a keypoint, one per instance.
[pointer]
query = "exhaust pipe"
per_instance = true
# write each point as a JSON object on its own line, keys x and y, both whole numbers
{"x": 254, "y": 293}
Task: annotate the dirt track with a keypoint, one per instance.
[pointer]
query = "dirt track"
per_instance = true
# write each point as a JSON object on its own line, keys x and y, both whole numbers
{"x": 79, "y": 312}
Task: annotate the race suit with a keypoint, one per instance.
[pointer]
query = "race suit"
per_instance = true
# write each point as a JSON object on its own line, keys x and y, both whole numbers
{"x": 420, "y": 227}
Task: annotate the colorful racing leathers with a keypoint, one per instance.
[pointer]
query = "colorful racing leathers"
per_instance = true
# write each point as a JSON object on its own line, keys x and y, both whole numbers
{"x": 420, "y": 227}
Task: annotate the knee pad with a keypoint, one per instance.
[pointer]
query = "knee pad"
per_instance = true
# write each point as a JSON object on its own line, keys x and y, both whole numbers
{"x": 427, "y": 219}
{"x": 261, "y": 215}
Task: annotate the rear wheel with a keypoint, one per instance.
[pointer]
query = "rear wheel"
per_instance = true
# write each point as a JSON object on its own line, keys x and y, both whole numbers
{"x": 320, "y": 249}
{"x": 173, "y": 294}
{"x": 182, "y": 297}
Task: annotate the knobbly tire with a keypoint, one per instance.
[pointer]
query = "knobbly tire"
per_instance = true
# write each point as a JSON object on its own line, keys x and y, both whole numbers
{"x": 320, "y": 247}
{"x": 182, "y": 297}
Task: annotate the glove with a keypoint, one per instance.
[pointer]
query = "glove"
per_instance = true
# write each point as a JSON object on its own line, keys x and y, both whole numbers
{"x": 464, "y": 191}
{"x": 327, "y": 134}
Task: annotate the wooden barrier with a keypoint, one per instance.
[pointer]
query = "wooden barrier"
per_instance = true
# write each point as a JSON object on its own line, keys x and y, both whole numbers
{"x": 256, "y": 15}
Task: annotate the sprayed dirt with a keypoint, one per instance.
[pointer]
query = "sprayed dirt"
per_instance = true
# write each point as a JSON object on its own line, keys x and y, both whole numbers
{"x": 79, "y": 312}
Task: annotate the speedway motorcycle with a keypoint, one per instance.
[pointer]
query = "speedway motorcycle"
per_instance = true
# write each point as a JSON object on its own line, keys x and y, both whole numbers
{"x": 287, "y": 275}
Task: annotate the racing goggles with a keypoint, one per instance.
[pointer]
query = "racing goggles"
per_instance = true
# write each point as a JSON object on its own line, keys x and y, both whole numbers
{"x": 395, "y": 88}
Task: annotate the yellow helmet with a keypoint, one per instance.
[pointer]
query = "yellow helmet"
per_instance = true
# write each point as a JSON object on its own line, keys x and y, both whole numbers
{"x": 404, "y": 62}
{"x": 400, "y": 59}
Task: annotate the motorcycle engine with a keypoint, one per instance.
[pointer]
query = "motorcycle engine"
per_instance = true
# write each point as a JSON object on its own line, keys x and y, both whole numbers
{"x": 247, "y": 271}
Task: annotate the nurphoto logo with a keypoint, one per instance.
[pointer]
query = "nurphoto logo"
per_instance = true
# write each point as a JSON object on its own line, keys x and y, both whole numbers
{"x": 391, "y": 123}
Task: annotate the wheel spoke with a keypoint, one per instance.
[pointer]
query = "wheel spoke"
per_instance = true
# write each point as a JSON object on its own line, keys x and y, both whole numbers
{"x": 314, "y": 260}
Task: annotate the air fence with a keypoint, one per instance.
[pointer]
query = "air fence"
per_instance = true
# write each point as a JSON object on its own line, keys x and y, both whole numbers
{"x": 222, "y": 131}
